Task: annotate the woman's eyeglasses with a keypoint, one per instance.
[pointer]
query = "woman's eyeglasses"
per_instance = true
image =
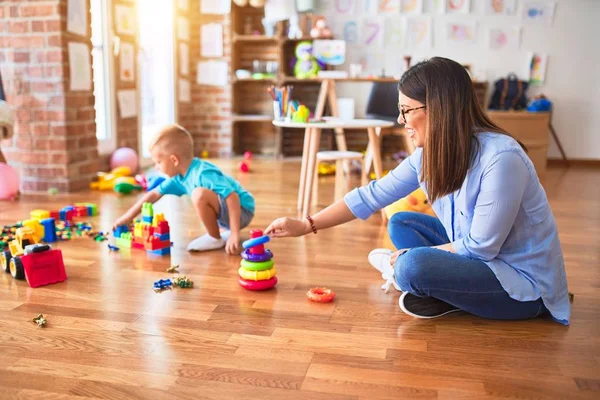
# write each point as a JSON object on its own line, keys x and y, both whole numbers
{"x": 404, "y": 111}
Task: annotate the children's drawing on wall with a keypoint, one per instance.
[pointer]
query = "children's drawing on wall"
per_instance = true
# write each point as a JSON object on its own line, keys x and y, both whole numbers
{"x": 461, "y": 32}
{"x": 183, "y": 29}
{"x": 125, "y": 20}
{"x": 349, "y": 31}
{"x": 185, "y": 93}
{"x": 500, "y": 7}
{"x": 419, "y": 32}
{"x": 183, "y": 5}
{"x": 339, "y": 7}
{"x": 539, "y": 11}
{"x": 330, "y": 52}
{"x": 184, "y": 59}
{"x": 394, "y": 32}
{"x": 436, "y": 6}
{"x": 80, "y": 67}
{"x": 127, "y": 62}
{"x": 458, "y": 6}
{"x": 388, "y": 7}
{"x": 411, "y": 7}
{"x": 505, "y": 38}
{"x": 538, "y": 63}
{"x": 372, "y": 32}
{"x": 77, "y": 17}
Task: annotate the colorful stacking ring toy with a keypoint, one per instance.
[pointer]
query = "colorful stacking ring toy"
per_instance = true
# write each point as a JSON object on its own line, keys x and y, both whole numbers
{"x": 321, "y": 295}
{"x": 257, "y": 266}
{"x": 255, "y": 241}
{"x": 257, "y": 275}
{"x": 266, "y": 256}
{"x": 257, "y": 285}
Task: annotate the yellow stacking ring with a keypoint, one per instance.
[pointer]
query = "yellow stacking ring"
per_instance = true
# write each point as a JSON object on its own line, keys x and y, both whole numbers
{"x": 257, "y": 275}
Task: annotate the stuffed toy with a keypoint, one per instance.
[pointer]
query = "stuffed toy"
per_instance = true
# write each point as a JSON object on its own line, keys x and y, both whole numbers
{"x": 416, "y": 202}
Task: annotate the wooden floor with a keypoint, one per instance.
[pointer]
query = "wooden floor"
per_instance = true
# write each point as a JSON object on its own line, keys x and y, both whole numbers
{"x": 110, "y": 336}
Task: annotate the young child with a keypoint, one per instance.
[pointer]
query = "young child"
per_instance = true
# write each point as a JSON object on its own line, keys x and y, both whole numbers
{"x": 219, "y": 200}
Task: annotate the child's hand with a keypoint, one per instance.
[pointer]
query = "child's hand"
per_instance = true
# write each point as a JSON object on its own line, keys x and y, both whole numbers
{"x": 233, "y": 244}
{"x": 122, "y": 220}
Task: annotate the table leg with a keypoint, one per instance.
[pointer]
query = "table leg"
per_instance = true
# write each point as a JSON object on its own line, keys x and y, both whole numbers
{"x": 305, "y": 153}
{"x": 374, "y": 142}
{"x": 323, "y": 95}
{"x": 310, "y": 171}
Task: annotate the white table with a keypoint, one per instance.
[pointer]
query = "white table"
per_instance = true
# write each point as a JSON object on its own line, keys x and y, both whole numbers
{"x": 312, "y": 139}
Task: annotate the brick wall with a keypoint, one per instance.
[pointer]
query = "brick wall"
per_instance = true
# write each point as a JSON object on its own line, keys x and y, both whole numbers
{"x": 211, "y": 126}
{"x": 54, "y": 143}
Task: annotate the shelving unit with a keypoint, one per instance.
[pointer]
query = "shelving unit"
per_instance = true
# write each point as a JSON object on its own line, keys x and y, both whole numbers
{"x": 252, "y": 106}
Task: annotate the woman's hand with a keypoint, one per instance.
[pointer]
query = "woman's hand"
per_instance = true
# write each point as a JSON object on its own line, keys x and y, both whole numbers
{"x": 395, "y": 256}
{"x": 287, "y": 227}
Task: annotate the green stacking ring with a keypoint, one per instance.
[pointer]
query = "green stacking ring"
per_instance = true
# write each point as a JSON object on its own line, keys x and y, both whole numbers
{"x": 257, "y": 266}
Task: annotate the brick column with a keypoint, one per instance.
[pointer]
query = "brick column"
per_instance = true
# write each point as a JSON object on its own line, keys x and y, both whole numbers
{"x": 55, "y": 131}
{"x": 211, "y": 105}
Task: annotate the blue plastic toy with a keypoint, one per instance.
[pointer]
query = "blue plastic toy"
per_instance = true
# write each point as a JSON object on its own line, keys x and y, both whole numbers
{"x": 539, "y": 105}
{"x": 256, "y": 241}
{"x": 163, "y": 284}
{"x": 113, "y": 248}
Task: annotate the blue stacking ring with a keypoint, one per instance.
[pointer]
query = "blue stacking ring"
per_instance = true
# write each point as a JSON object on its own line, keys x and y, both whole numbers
{"x": 255, "y": 241}
{"x": 266, "y": 256}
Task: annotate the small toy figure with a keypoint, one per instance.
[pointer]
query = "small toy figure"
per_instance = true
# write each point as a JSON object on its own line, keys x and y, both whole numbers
{"x": 162, "y": 284}
{"x": 306, "y": 65}
{"x": 173, "y": 268}
{"x": 40, "y": 320}
{"x": 321, "y": 30}
{"x": 112, "y": 248}
{"x": 183, "y": 282}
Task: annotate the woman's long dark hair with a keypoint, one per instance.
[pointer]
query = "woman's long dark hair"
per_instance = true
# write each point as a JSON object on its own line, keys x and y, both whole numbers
{"x": 454, "y": 115}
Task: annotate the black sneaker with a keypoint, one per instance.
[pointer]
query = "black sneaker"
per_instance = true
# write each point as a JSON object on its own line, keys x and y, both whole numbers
{"x": 424, "y": 307}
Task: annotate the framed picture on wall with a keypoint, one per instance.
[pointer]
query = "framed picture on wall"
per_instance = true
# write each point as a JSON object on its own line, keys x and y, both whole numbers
{"x": 127, "y": 62}
{"x": 125, "y": 20}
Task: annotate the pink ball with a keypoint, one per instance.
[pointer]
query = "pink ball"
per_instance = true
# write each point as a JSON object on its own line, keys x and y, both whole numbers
{"x": 124, "y": 157}
{"x": 9, "y": 182}
{"x": 244, "y": 167}
{"x": 248, "y": 155}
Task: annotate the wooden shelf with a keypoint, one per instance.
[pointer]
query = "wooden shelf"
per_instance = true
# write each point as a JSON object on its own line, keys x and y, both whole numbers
{"x": 270, "y": 80}
{"x": 285, "y": 39}
{"x": 252, "y": 118}
{"x": 291, "y": 79}
{"x": 254, "y": 38}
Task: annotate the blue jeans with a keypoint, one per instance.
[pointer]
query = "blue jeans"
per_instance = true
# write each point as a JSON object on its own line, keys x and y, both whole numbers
{"x": 458, "y": 280}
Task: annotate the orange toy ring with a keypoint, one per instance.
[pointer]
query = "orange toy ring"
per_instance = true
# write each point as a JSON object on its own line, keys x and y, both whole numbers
{"x": 320, "y": 295}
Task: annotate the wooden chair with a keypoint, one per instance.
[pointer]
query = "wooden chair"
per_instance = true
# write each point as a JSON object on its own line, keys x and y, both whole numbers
{"x": 342, "y": 180}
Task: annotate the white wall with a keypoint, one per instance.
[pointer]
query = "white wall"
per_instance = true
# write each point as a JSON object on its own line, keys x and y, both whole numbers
{"x": 572, "y": 77}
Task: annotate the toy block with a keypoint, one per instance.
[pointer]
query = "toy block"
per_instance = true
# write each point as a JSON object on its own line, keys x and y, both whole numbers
{"x": 163, "y": 237}
{"x": 162, "y": 228}
{"x": 55, "y": 215}
{"x": 158, "y": 218}
{"x": 66, "y": 215}
{"x": 81, "y": 211}
{"x": 147, "y": 231}
{"x": 92, "y": 209}
{"x": 49, "y": 225}
{"x": 153, "y": 243}
{"x": 160, "y": 252}
{"x": 40, "y": 214}
{"x": 137, "y": 229}
{"x": 147, "y": 210}
{"x": 120, "y": 231}
{"x": 123, "y": 243}
{"x": 135, "y": 245}
{"x": 147, "y": 220}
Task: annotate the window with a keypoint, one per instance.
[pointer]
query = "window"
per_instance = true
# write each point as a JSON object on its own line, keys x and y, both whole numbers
{"x": 103, "y": 76}
{"x": 157, "y": 71}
